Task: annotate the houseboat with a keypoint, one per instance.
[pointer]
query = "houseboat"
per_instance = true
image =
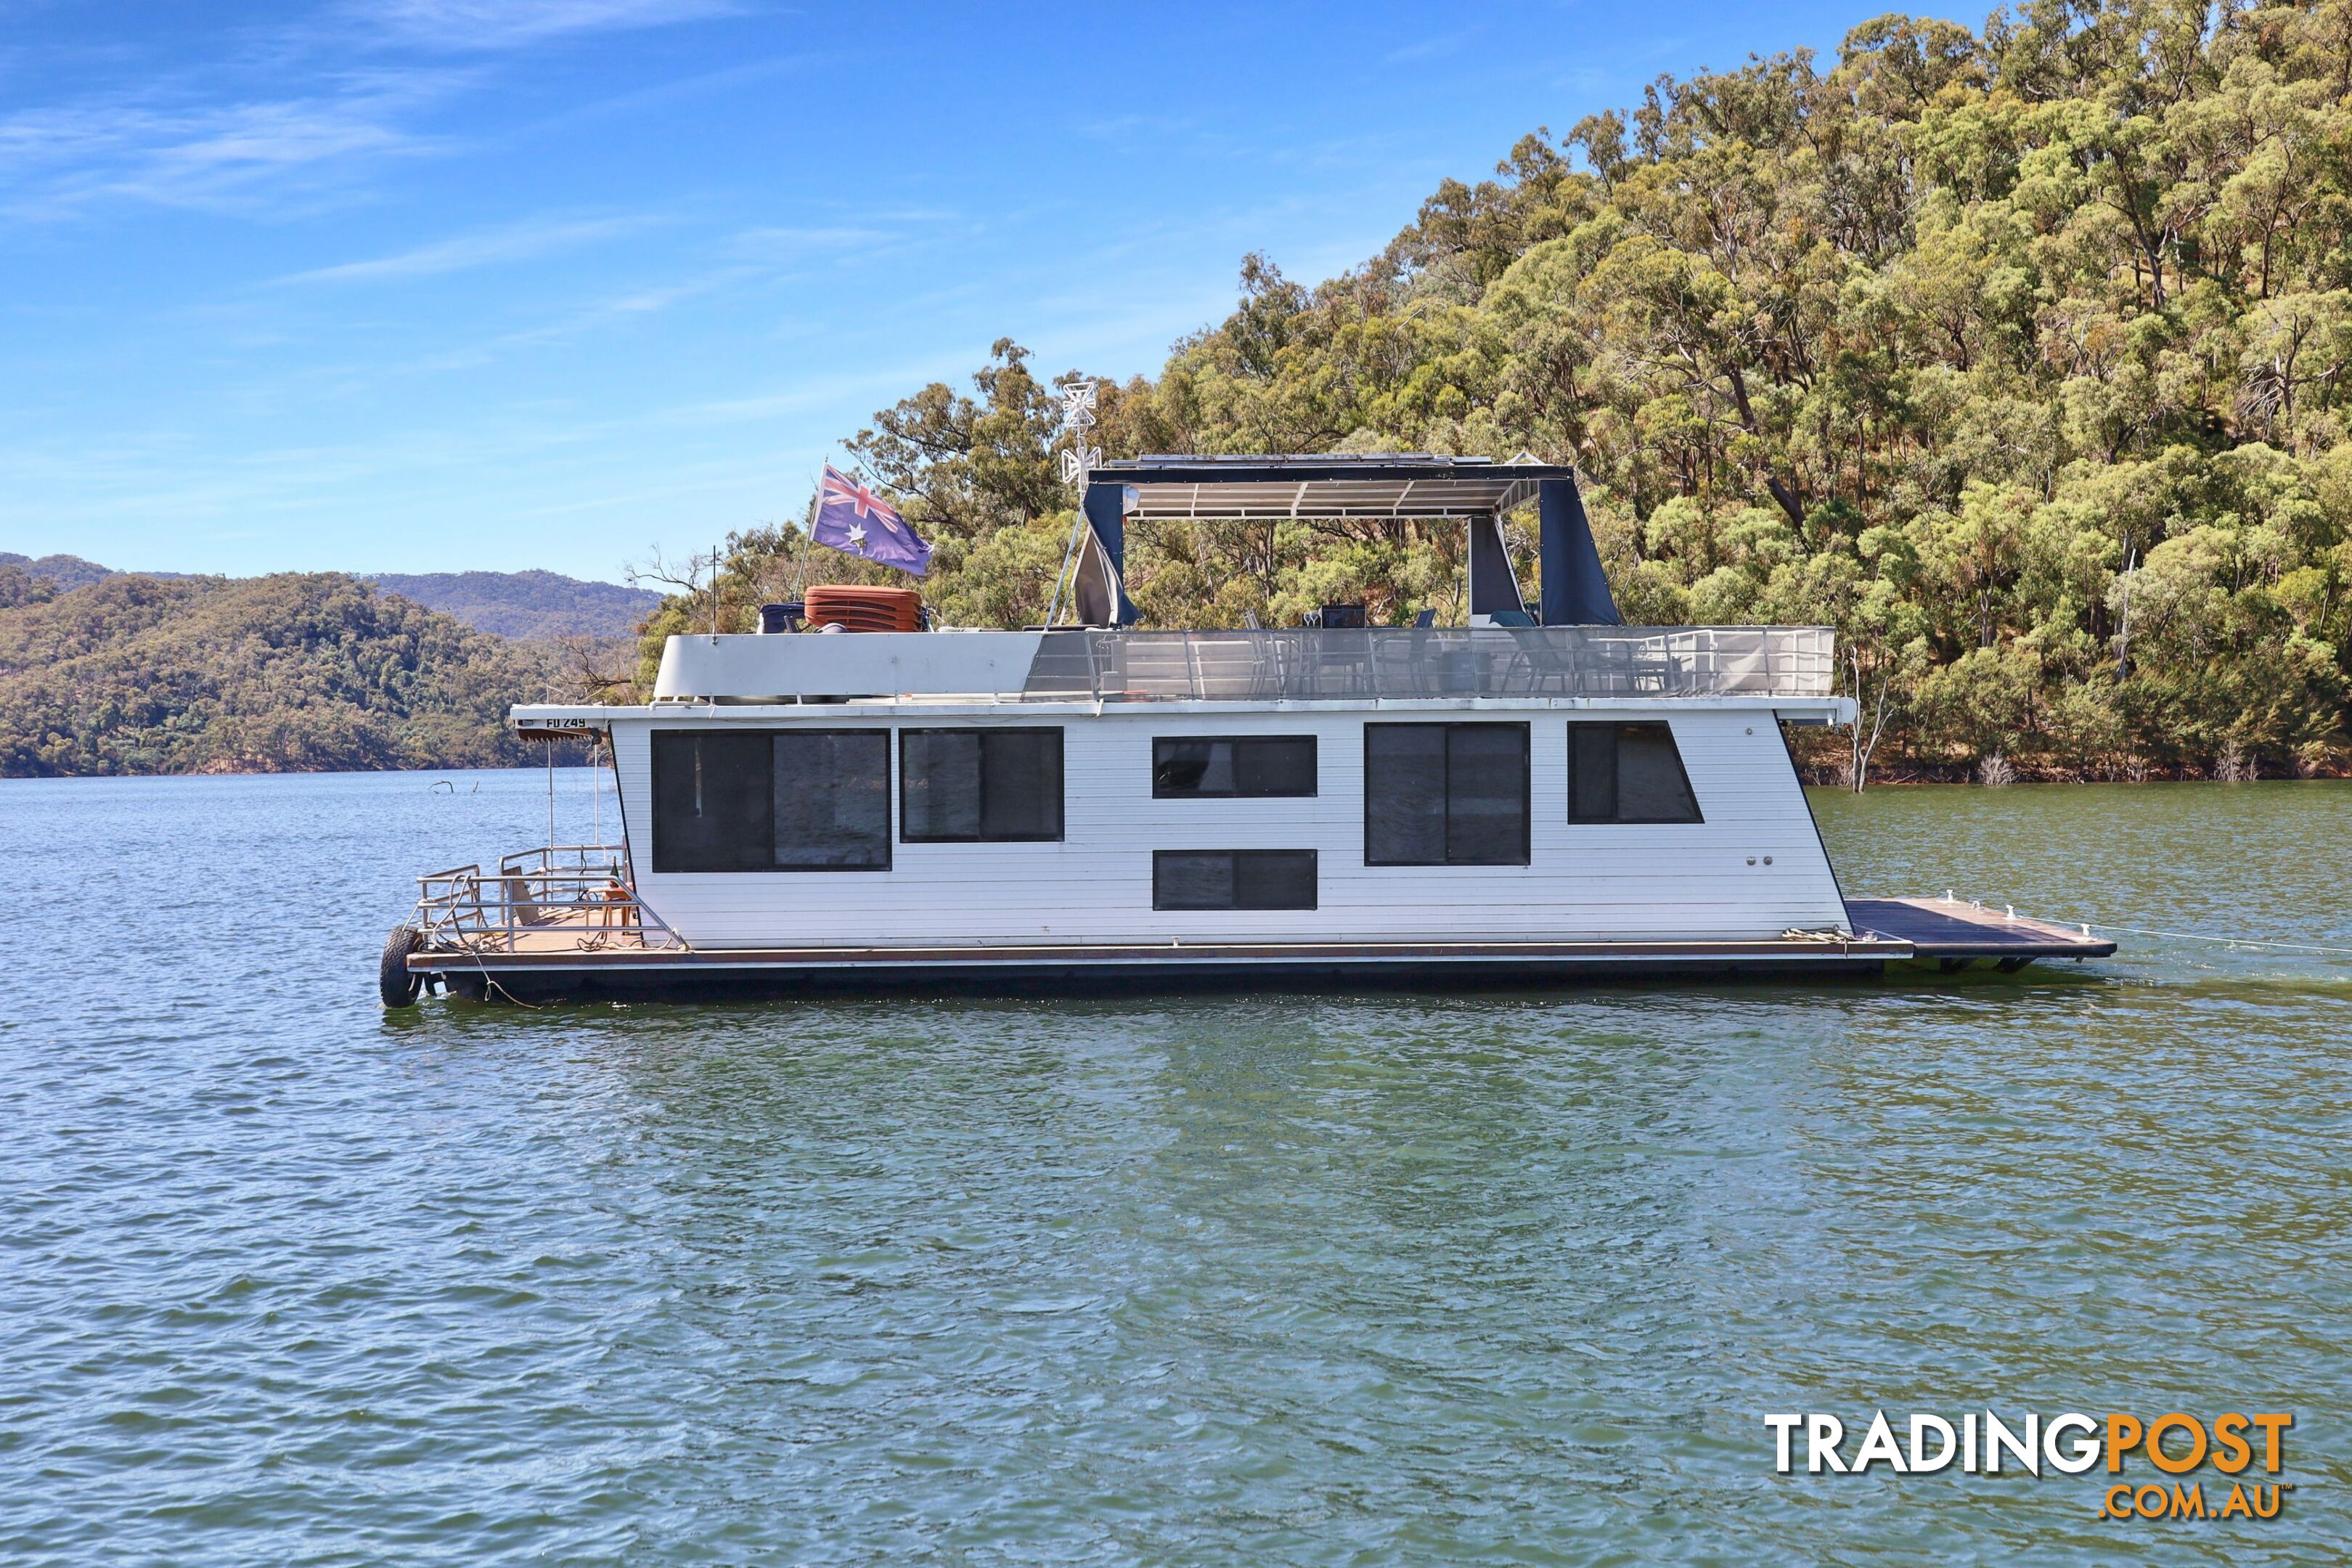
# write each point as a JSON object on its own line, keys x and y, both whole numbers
{"x": 1539, "y": 795}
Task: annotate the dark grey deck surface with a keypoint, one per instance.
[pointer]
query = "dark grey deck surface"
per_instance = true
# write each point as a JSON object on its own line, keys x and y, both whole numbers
{"x": 1938, "y": 929}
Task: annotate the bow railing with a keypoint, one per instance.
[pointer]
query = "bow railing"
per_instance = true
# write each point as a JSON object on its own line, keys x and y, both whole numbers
{"x": 568, "y": 897}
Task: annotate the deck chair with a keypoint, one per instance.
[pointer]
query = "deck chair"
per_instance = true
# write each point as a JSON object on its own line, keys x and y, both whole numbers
{"x": 1539, "y": 662}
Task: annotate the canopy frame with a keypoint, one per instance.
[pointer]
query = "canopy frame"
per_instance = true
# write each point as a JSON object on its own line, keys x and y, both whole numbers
{"x": 1414, "y": 485}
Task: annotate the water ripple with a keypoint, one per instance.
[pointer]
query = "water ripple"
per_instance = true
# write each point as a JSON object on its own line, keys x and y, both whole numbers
{"x": 1340, "y": 1279}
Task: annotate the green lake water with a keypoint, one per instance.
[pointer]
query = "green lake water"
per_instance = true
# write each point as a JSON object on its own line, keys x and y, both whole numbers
{"x": 1424, "y": 1279}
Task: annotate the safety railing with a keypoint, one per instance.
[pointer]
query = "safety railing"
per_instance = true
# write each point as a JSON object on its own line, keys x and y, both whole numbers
{"x": 608, "y": 858}
{"x": 565, "y": 896}
{"x": 1409, "y": 662}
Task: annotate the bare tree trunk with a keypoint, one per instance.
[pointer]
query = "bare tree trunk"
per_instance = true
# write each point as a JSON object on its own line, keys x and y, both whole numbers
{"x": 1858, "y": 775}
{"x": 1780, "y": 492}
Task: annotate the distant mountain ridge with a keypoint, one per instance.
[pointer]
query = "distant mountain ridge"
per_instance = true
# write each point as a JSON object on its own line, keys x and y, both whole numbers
{"x": 524, "y": 605}
{"x": 66, "y": 573}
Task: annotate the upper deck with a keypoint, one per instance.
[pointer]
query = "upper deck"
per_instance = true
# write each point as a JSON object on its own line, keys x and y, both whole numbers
{"x": 1788, "y": 668}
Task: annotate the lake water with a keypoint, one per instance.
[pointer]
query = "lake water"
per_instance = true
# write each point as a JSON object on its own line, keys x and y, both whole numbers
{"x": 1458, "y": 1278}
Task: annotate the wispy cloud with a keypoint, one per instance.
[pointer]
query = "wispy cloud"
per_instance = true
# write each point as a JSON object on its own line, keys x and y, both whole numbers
{"x": 782, "y": 244}
{"x": 510, "y": 24}
{"x": 1433, "y": 48}
{"x": 145, "y": 147}
{"x": 287, "y": 115}
{"x": 1132, "y": 126}
{"x": 514, "y": 242}
{"x": 754, "y": 259}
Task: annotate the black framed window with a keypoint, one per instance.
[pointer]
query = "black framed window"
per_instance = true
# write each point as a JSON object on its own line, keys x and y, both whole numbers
{"x": 1210, "y": 766}
{"x": 1627, "y": 772}
{"x": 979, "y": 785}
{"x": 833, "y": 800}
{"x": 1446, "y": 795}
{"x": 1233, "y": 879}
{"x": 800, "y": 800}
{"x": 713, "y": 793}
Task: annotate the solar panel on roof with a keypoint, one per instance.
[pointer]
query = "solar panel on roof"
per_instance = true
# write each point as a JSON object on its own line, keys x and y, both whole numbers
{"x": 1297, "y": 459}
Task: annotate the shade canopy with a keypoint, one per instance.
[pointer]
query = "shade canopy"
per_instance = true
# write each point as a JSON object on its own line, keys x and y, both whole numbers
{"x": 1409, "y": 484}
{"x": 1478, "y": 490}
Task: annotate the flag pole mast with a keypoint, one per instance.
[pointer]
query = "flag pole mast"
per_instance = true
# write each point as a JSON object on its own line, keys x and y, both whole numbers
{"x": 808, "y": 535}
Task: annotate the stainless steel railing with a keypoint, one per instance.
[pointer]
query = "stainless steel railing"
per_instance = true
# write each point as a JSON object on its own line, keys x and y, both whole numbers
{"x": 568, "y": 896}
{"x": 1436, "y": 661}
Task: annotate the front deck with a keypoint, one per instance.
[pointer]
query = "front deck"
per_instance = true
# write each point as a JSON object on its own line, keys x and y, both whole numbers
{"x": 1955, "y": 933}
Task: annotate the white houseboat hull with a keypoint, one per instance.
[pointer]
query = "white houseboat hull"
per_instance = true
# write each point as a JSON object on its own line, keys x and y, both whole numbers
{"x": 1469, "y": 808}
{"x": 1752, "y": 868}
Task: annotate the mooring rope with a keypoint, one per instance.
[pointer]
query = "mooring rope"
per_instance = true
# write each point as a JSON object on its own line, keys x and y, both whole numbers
{"x": 489, "y": 984}
{"x": 2085, "y": 927}
{"x": 2223, "y": 940}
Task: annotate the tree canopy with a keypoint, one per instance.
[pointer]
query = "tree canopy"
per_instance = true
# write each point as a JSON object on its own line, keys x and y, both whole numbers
{"x": 2018, "y": 355}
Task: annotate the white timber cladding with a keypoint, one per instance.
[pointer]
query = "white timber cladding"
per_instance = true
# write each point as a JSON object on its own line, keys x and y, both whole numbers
{"x": 1754, "y": 868}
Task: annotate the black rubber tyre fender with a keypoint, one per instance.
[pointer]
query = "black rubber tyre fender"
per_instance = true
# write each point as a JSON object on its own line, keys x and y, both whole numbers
{"x": 393, "y": 980}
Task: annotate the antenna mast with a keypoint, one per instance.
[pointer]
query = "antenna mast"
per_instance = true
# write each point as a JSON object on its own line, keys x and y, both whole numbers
{"x": 1077, "y": 462}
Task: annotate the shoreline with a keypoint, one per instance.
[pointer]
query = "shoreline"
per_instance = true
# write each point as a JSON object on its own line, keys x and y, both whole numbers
{"x": 1810, "y": 777}
{"x": 1962, "y": 777}
{"x": 299, "y": 772}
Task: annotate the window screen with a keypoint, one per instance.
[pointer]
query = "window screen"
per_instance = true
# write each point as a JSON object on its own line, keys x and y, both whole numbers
{"x": 1233, "y": 879}
{"x": 1446, "y": 795}
{"x": 973, "y": 786}
{"x": 1213, "y": 765}
{"x": 1627, "y": 772}
{"x": 711, "y": 801}
{"x": 833, "y": 800}
{"x": 810, "y": 800}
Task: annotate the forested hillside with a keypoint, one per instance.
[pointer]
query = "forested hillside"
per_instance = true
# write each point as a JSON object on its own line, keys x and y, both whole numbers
{"x": 2019, "y": 356}
{"x": 287, "y": 673}
{"x": 523, "y": 604}
{"x": 527, "y": 604}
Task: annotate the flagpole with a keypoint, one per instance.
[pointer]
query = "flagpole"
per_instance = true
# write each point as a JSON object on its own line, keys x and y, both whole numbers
{"x": 808, "y": 534}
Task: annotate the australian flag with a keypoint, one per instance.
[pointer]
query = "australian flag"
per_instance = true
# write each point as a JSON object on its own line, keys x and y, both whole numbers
{"x": 852, "y": 518}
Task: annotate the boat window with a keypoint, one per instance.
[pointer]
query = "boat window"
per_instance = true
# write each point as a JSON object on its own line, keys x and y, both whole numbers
{"x": 833, "y": 800}
{"x": 1627, "y": 772}
{"x": 1446, "y": 795}
{"x": 1225, "y": 765}
{"x": 711, "y": 810}
{"x": 735, "y": 800}
{"x": 979, "y": 785}
{"x": 1233, "y": 879}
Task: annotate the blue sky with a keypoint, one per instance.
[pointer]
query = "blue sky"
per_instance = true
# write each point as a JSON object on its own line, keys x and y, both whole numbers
{"x": 420, "y": 284}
